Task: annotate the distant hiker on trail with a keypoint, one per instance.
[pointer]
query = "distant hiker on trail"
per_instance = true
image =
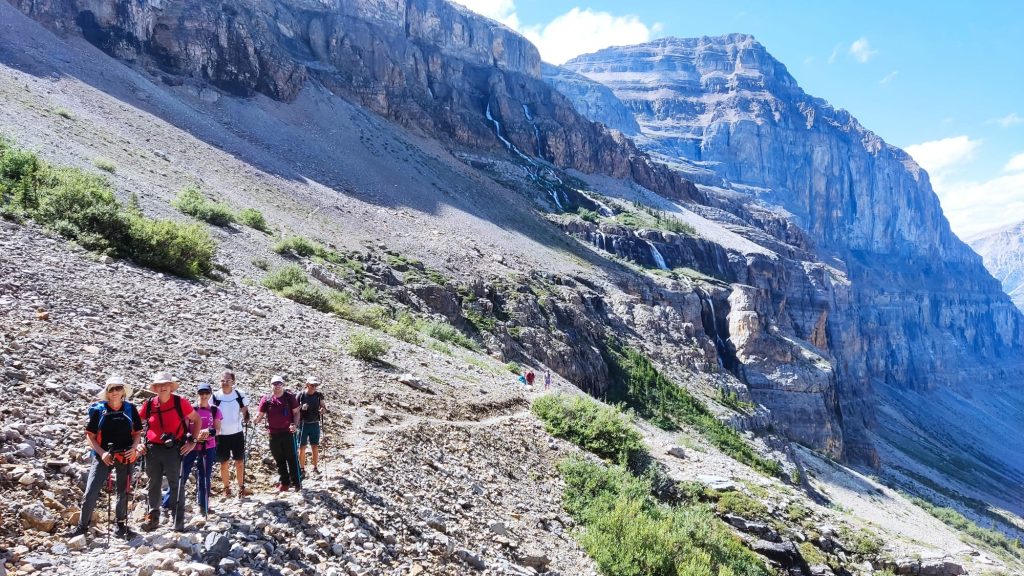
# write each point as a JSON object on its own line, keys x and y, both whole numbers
{"x": 234, "y": 409}
{"x": 281, "y": 410}
{"x": 530, "y": 377}
{"x": 311, "y": 407}
{"x": 547, "y": 379}
{"x": 206, "y": 448}
{"x": 114, "y": 432}
{"x": 522, "y": 379}
{"x": 172, "y": 426}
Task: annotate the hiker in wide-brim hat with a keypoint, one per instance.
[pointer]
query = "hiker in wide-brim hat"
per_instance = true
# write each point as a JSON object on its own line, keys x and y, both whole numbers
{"x": 114, "y": 433}
{"x": 172, "y": 427}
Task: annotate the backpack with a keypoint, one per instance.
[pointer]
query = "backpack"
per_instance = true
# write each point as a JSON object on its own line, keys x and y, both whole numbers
{"x": 238, "y": 398}
{"x": 177, "y": 406}
{"x": 126, "y": 409}
{"x": 287, "y": 405}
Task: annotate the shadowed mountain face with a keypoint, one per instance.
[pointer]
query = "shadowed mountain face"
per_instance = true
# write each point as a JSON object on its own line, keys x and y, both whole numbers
{"x": 921, "y": 313}
{"x": 1002, "y": 251}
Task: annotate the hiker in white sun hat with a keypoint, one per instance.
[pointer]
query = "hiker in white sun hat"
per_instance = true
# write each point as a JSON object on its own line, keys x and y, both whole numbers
{"x": 172, "y": 427}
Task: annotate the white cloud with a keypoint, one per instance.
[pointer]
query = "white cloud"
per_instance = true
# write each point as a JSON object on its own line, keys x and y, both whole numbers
{"x": 973, "y": 207}
{"x": 1011, "y": 119}
{"x": 503, "y": 11}
{"x": 835, "y": 54}
{"x": 889, "y": 77}
{"x": 942, "y": 158}
{"x": 571, "y": 34}
{"x": 581, "y": 31}
{"x": 861, "y": 50}
{"x": 1016, "y": 164}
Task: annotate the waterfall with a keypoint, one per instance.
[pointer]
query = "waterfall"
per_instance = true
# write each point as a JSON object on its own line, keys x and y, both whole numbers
{"x": 497, "y": 127}
{"x": 526, "y": 110}
{"x": 659, "y": 260}
{"x": 719, "y": 344}
{"x": 554, "y": 194}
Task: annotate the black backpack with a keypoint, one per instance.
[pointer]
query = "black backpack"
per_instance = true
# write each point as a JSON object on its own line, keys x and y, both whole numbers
{"x": 238, "y": 398}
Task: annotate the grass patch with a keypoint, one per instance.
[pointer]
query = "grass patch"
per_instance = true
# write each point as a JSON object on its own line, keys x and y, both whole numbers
{"x": 812, "y": 555}
{"x": 602, "y": 430}
{"x": 64, "y": 113}
{"x": 192, "y": 202}
{"x": 254, "y": 219}
{"x": 306, "y": 248}
{"x": 446, "y": 333}
{"x": 588, "y": 215}
{"x": 404, "y": 328}
{"x": 366, "y": 347}
{"x": 82, "y": 207}
{"x": 730, "y": 399}
{"x": 990, "y": 536}
{"x": 105, "y": 165}
{"x": 628, "y": 533}
{"x": 861, "y": 542}
{"x": 640, "y": 386}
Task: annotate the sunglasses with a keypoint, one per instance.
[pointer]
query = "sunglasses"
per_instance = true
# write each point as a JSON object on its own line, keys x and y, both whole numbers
{"x": 205, "y": 392}
{"x": 115, "y": 389}
{"x": 277, "y": 384}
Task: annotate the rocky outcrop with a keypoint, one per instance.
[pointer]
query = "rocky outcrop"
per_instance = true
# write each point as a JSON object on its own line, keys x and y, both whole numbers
{"x": 427, "y": 64}
{"x": 920, "y": 311}
{"x": 1002, "y": 251}
{"x": 591, "y": 99}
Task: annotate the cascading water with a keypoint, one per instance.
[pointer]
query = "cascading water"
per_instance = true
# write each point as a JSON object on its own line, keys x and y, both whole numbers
{"x": 497, "y": 127}
{"x": 719, "y": 344}
{"x": 659, "y": 260}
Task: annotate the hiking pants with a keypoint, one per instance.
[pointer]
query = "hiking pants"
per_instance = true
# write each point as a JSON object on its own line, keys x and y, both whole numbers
{"x": 98, "y": 475}
{"x": 282, "y": 448}
{"x": 162, "y": 463}
{"x": 203, "y": 462}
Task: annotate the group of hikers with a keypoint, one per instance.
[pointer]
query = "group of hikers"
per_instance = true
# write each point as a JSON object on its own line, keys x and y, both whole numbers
{"x": 528, "y": 377}
{"x": 174, "y": 436}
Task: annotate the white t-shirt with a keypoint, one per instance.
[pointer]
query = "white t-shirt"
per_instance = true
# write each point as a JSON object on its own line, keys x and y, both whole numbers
{"x": 232, "y": 415}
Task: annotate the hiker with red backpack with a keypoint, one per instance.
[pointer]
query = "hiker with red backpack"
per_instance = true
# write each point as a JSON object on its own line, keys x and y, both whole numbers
{"x": 114, "y": 433}
{"x": 234, "y": 408}
{"x": 281, "y": 409}
{"x": 206, "y": 448}
{"x": 172, "y": 426}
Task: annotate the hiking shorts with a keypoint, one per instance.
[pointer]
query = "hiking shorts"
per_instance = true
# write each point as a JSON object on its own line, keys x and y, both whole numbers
{"x": 310, "y": 434}
{"x": 231, "y": 447}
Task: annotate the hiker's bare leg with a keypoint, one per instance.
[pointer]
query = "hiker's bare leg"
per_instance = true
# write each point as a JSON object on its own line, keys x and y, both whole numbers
{"x": 225, "y": 477}
{"x": 316, "y": 456}
{"x": 239, "y": 473}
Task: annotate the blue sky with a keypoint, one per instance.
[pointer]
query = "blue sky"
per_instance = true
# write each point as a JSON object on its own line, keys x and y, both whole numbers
{"x": 943, "y": 80}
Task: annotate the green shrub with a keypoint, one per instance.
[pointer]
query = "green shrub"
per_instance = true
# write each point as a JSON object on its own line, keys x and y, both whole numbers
{"x": 82, "y": 207}
{"x": 308, "y": 295}
{"x": 640, "y": 386}
{"x": 446, "y": 333}
{"x": 992, "y": 537}
{"x": 513, "y": 367}
{"x": 861, "y": 542}
{"x": 741, "y": 505}
{"x": 63, "y": 113}
{"x": 182, "y": 249}
{"x": 796, "y": 512}
{"x": 105, "y": 165}
{"x": 404, "y": 328}
{"x": 812, "y": 554}
{"x": 367, "y": 347}
{"x": 369, "y": 316}
{"x": 290, "y": 275}
{"x": 588, "y": 215}
{"x": 254, "y": 219}
{"x": 600, "y": 429}
{"x": 627, "y": 533}
{"x": 261, "y": 263}
{"x": 305, "y": 248}
{"x": 192, "y": 202}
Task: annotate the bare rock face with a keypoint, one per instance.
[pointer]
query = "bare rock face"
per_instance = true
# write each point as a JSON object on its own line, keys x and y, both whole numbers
{"x": 591, "y": 99}
{"x": 915, "y": 311}
{"x": 427, "y": 64}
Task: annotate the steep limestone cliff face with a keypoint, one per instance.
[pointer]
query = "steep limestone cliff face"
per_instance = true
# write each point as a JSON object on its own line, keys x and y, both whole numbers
{"x": 592, "y": 99}
{"x": 427, "y": 64}
{"x": 1002, "y": 251}
{"x": 920, "y": 313}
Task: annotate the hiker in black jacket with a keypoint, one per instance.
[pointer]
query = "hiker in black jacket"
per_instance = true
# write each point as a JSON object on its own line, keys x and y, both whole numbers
{"x": 311, "y": 408}
{"x": 113, "y": 432}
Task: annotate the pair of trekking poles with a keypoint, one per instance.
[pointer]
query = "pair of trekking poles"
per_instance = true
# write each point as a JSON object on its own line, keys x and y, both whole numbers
{"x": 295, "y": 451}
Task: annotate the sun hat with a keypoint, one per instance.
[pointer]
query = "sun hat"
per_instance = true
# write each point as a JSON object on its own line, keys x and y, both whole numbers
{"x": 115, "y": 381}
{"x": 277, "y": 378}
{"x": 164, "y": 377}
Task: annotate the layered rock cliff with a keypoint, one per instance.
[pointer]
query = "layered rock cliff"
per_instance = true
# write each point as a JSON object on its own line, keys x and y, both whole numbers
{"x": 427, "y": 64}
{"x": 1002, "y": 251}
{"x": 920, "y": 312}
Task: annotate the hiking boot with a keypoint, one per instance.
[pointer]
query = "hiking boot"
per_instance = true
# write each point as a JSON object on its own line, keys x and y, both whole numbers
{"x": 282, "y": 487}
{"x": 227, "y": 492}
{"x": 152, "y": 522}
{"x": 316, "y": 470}
{"x": 76, "y": 531}
{"x": 124, "y": 532}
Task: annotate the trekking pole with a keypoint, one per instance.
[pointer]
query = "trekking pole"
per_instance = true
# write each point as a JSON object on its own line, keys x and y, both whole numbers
{"x": 110, "y": 488}
{"x": 203, "y": 484}
{"x": 246, "y": 447}
{"x": 298, "y": 469}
